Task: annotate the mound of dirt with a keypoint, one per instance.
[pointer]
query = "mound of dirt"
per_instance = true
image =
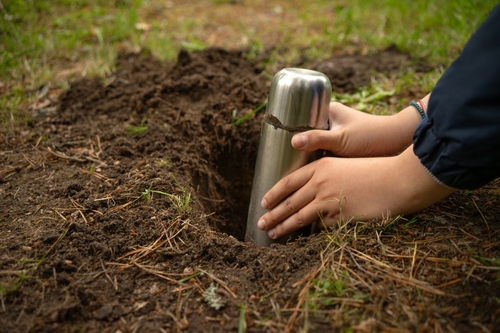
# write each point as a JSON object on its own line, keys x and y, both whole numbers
{"x": 125, "y": 211}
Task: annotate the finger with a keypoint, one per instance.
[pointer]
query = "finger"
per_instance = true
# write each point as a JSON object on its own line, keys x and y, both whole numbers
{"x": 303, "y": 217}
{"x": 314, "y": 139}
{"x": 287, "y": 186}
{"x": 333, "y": 139}
{"x": 286, "y": 208}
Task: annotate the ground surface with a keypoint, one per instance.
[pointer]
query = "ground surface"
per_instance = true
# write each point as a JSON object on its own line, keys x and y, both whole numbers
{"x": 90, "y": 244}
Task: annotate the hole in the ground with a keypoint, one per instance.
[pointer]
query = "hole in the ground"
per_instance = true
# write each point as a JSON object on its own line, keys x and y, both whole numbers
{"x": 237, "y": 171}
{"x": 224, "y": 186}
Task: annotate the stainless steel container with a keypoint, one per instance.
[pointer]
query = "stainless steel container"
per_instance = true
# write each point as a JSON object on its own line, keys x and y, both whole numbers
{"x": 298, "y": 101}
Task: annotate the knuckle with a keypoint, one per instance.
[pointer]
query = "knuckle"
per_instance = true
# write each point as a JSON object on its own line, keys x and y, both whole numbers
{"x": 322, "y": 161}
{"x": 299, "y": 220}
{"x": 330, "y": 217}
{"x": 287, "y": 182}
{"x": 289, "y": 205}
{"x": 335, "y": 105}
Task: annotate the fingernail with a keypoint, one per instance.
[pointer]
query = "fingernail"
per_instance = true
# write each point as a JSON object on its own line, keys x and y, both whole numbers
{"x": 299, "y": 141}
{"x": 262, "y": 224}
{"x": 271, "y": 233}
{"x": 264, "y": 204}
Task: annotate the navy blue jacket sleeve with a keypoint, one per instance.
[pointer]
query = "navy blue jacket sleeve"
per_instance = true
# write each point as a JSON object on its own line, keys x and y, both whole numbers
{"x": 459, "y": 140}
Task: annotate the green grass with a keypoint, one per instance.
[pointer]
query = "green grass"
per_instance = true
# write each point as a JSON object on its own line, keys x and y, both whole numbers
{"x": 433, "y": 29}
{"x": 365, "y": 99}
{"x": 136, "y": 130}
{"x": 182, "y": 202}
{"x": 329, "y": 291}
{"x": 250, "y": 114}
{"x": 36, "y": 33}
{"x": 242, "y": 325}
{"x": 162, "y": 163}
{"x": 42, "y": 39}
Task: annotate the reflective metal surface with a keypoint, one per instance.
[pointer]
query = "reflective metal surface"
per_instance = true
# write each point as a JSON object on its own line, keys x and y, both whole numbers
{"x": 298, "y": 101}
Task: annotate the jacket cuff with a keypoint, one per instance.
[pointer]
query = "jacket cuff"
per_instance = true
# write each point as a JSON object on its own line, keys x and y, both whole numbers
{"x": 436, "y": 156}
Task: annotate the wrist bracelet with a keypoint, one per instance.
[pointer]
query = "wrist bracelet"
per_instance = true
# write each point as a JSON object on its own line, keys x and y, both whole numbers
{"x": 423, "y": 105}
{"x": 419, "y": 108}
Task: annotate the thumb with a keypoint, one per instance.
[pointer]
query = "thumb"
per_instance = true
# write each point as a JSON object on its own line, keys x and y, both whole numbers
{"x": 315, "y": 139}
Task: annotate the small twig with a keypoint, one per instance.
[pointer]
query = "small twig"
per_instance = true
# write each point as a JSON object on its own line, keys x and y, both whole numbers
{"x": 364, "y": 256}
{"x": 177, "y": 323}
{"x": 356, "y": 263}
{"x": 12, "y": 272}
{"x": 421, "y": 261}
{"x": 50, "y": 176}
{"x": 54, "y": 274}
{"x": 416, "y": 283}
{"x": 99, "y": 146}
{"x": 3, "y": 304}
{"x": 101, "y": 163}
{"x": 117, "y": 208}
{"x": 29, "y": 160}
{"x": 302, "y": 296}
{"x": 12, "y": 169}
{"x": 178, "y": 309}
{"x": 485, "y": 222}
{"x": 64, "y": 156}
{"x": 99, "y": 176}
{"x": 491, "y": 268}
{"x": 465, "y": 232}
{"x": 38, "y": 141}
{"x": 275, "y": 279}
{"x": 356, "y": 275}
{"x": 59, "y": 214}
{"x": 155, "y": 272}
{"x": 456, "y": 246}
{"x": 55, "y": 243}
{"x": 433, "y": 259}
{"x": 412, "y": 282}
{"x": 449, "y": 283}
{"x": 219, "y": 281}
{"x": 156, "y": 244}
{"x": 431, "y": 240}
{"x": 76, "y": 206}
{"x": 114, "y": 284}
{"x": 380, "y": 242}
{"x": 413, "y": 261}
{"x": 211, "y": 200}
{"x": 483, "y": 327}
{"x": 8, "y": 170}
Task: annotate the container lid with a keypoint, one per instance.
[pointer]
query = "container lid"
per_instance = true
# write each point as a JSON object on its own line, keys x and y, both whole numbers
{"x": 299, "y": 100}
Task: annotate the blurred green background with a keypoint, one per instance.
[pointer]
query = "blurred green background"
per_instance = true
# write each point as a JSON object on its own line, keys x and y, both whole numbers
{"x": 51, "y": 43}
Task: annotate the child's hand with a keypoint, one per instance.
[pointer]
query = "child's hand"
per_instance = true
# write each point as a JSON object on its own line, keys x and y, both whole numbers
{"x": 357, "y": 134}
{"x": 360, "y": 188}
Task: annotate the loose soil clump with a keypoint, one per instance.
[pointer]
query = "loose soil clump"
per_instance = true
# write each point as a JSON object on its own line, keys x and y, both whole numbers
{"x": 124, "y": 211}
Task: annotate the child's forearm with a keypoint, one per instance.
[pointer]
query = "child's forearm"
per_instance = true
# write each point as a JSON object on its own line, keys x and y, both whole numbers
{"x": 401, "y": 126}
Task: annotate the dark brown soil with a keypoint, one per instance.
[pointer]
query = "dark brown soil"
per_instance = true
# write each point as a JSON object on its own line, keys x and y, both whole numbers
{"x": 89, "y": 244}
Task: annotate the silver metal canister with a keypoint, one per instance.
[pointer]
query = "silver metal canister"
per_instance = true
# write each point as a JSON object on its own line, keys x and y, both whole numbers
{"x": 299, "y": 101}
